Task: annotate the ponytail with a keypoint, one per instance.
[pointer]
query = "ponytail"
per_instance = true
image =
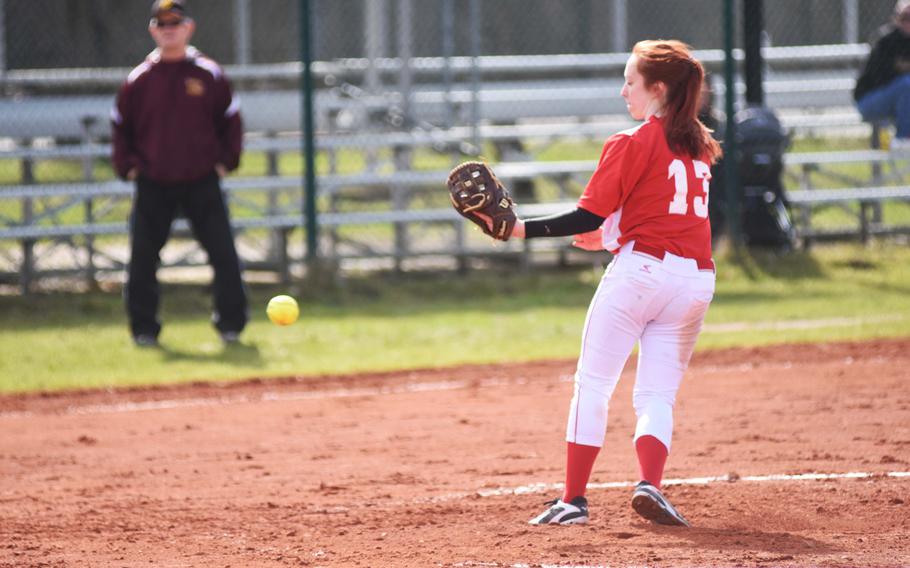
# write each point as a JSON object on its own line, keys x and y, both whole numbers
{"x": 671, "y": 63}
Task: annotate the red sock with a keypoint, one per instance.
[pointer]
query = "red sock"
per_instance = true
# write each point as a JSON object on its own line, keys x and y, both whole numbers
{"x": 652, "y": 456}
{"x": 579, "y": 463}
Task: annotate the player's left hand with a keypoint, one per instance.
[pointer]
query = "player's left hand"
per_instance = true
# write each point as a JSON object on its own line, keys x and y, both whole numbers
{"x": 518, "y": 231}
{"x": 590, "y": 241}
{"x": 474, "y": 189}
{"x": 220, "y": 170}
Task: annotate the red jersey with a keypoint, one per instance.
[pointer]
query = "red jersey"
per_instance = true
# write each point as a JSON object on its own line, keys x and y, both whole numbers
{"x": 651, "y": 195}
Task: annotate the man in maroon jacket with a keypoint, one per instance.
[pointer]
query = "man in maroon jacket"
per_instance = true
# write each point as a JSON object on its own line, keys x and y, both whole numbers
{"x": 176, "y": 132}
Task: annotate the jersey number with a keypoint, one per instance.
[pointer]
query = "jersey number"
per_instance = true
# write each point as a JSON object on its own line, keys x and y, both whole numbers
{"x": 680, "y": 205}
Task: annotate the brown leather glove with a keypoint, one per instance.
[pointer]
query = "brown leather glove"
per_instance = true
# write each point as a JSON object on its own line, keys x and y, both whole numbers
{"x": 474, "y": 188}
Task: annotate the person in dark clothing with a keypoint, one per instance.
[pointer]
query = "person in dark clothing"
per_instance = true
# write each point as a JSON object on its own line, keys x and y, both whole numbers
{"x": 177, "y": 131}
{"x": 883, "y": 89}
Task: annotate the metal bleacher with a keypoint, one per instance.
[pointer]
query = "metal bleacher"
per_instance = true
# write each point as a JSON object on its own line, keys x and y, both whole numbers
{"x": 802, "y": 78}
{"x": 810, "y": 87}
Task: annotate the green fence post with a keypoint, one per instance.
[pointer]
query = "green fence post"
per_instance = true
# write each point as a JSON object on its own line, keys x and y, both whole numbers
{"x": 731, "y": 177}
{"x": 309, "y": 138}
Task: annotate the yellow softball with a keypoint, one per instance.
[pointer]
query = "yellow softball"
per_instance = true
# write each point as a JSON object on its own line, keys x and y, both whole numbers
{"x": 283, "y": 310}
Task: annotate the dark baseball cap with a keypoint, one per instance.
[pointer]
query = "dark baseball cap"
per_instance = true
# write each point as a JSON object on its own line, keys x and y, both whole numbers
{"x": 161, "y": 7}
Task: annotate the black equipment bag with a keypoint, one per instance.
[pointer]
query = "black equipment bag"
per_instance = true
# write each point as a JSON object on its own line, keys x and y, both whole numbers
{"x": 761, "y": 143}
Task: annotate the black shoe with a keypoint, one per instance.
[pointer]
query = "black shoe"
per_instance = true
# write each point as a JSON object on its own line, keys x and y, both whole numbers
{"x": 561, "y": 513}
{"x": 145, "y": 340}
{"x": 230, "y": 337}
{"x": 651, "y": 504}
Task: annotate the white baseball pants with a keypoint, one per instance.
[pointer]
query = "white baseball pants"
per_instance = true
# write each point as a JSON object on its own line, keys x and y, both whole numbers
{"x": 659, "y": 303}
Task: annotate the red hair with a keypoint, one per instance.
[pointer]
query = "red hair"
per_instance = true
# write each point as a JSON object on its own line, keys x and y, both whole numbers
{"x": 670, "y": 62}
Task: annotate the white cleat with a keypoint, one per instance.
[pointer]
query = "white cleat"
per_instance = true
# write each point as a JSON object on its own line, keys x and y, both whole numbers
{"x": 561, "y": 513}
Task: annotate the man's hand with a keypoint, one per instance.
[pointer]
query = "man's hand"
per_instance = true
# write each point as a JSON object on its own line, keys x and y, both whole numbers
{"x": 590, "y": 241}
{"x": 220, "y": 170}
{"x": 132, "y": 174}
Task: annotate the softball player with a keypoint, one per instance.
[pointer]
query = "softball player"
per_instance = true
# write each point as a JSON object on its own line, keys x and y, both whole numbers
{"x": 647, "y": 203}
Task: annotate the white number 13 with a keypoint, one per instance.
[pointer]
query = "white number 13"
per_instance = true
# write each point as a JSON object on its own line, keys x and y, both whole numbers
{"x": 680, "y": 205}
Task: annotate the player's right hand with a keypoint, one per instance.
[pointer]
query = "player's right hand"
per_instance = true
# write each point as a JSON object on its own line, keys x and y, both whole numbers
{"x": 590, "y": 241}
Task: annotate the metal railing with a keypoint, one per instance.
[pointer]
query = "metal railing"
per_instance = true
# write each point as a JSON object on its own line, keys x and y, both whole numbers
{"x": 80, "y": 214}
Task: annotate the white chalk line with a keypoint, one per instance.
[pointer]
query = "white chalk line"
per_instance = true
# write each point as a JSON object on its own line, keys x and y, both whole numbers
{"x": 550, "y": 487}
{"x": 537, "y": 488}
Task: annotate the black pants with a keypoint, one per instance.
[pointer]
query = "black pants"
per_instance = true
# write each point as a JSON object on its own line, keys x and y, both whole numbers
{"x": 154, "y": 209}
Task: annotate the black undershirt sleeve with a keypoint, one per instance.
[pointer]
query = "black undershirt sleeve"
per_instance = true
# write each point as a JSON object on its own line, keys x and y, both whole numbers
{"x": 563, "y": 224}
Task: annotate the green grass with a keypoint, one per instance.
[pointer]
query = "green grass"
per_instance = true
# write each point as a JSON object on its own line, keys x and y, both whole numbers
{"x": 382, "y": 322}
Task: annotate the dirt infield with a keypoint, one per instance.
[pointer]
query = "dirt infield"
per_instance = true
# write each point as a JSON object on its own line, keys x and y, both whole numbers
{"x": 445, "y": 467}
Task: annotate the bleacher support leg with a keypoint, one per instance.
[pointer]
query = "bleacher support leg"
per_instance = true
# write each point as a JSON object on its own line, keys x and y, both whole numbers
{"x": 88, "y": 175}
{"x": 400, "y": 203}
{"x": 461, "y": 254}
{"x": 805, "y": 218}
{"x": 864, "y": 221}
{"x": 526, "y": 261}
{"x": 284, "y": 259}
{"x": 805, "y": 211}
{"x": 876, "y": 144}
{"x": 90, "y": 272}
{"x": 27, "y": 271}
{"x": 275, "y": 239}
{"x": 334, "y": 197}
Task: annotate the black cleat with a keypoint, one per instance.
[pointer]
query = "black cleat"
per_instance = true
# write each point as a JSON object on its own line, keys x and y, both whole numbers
{"x": 651, "y": 504}
{"x": 230, "y": 337}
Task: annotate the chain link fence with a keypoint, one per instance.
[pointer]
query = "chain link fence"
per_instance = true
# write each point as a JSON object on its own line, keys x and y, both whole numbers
{"x": 404, "y": 90}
